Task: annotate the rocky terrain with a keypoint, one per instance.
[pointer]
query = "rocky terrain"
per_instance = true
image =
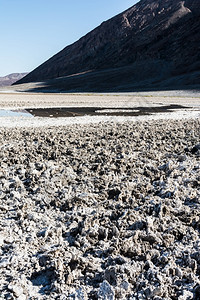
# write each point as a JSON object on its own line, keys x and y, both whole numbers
{"x": 153, "y": 44}
{"x": 11, "y": 78}
{"x": 106, "y": 211}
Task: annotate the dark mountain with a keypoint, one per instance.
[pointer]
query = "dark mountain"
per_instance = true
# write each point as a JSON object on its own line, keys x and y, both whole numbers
{"x": 152, "y": 43}
{"x": 11, "y": 78}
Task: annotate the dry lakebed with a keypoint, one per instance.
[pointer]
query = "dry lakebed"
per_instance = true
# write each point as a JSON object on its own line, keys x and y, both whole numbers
{"x": 102, "y": 204}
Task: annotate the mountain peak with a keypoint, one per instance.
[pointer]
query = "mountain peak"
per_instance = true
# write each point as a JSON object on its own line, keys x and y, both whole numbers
{"x": 11, "y": 78}
{"x": 162, "y": 31}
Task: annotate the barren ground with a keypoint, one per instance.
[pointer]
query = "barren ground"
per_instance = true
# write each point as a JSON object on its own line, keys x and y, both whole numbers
{"x": 100, "y": 210}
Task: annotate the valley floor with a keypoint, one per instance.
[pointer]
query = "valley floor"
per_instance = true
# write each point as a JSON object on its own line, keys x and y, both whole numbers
{"x": 100, "y": 210}
{"x": 10, "y": 99}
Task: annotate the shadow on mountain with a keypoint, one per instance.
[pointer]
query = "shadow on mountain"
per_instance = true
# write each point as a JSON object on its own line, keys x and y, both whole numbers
{"x": 140, "y": 76}
{"x": 153, "y": 45}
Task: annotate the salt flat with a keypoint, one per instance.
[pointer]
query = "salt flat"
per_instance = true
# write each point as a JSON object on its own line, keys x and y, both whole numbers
{"x": 22, "y": 100}
{"x": 105, "y": 211}
{"x": 100, "y": 207}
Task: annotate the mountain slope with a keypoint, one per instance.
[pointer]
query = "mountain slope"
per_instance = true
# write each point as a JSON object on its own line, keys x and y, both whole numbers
{"x": 165, "y": 33}
{"x": 11, "y": 78}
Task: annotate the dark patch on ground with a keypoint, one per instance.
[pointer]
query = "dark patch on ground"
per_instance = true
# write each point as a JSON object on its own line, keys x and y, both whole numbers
{"x": 97, "y": 111}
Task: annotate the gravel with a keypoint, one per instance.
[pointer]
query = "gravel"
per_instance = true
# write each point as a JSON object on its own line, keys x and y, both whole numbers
{"x": 101, "y": 211}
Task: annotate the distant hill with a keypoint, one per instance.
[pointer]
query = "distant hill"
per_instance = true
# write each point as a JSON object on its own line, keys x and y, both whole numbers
{"x": 154, "y": 43}
{"x": 11, "y": 78}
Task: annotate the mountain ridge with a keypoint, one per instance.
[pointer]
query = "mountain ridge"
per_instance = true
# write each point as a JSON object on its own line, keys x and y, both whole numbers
{"x": 162, "y": 30}
{"x": 11, "y": 78}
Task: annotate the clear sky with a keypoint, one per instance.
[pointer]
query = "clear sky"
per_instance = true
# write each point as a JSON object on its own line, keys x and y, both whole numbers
{"x": 34, "y": 30}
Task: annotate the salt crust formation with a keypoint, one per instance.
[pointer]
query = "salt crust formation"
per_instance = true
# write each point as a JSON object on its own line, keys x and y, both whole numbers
{"x": 102, "y": 211}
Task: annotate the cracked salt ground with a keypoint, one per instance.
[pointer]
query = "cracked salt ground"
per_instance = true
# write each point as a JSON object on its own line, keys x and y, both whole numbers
{"x": 101, "y": 211}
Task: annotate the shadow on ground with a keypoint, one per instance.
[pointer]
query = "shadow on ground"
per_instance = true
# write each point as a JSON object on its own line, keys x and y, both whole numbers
{"x": 131, "y": 78}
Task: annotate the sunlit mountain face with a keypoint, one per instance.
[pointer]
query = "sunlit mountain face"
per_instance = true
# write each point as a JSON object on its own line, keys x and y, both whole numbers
{"x": 11, "y": 78}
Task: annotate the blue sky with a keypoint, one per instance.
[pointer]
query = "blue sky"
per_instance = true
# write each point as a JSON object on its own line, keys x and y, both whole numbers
{"x": 34, "y": 30}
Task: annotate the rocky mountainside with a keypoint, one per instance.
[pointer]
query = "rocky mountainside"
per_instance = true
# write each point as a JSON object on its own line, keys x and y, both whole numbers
{"x": 11, "y": 78}
{"x": 149, "y": 43}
